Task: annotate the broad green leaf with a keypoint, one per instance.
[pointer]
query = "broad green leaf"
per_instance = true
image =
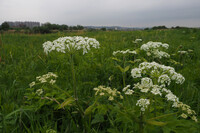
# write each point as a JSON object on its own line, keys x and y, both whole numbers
{"x": 67, "y": 102}
{"x": 131, "y": 61}
{"x": 113, "y": 58}
{"x": 120, "y": 68}
{"x": 126, "y": 68}
{"x": 156, "y": 123}
{"x": 88, "y": 111}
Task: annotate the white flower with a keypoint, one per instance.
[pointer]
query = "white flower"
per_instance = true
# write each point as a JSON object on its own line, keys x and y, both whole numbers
{"x": 137, "y": 40}
{"x": 107, "y": 91}
{"x": 143, "y": 103}
{"x": 164, "y": 79}
{"x": 32, "y": 84}
{"x": 184, "y": 115}
{"x": 124, "y": 52}
{"x": 194, "y": 118}
{"x": 136, "y": 73}
{"x": 156, "y": 90}
{"x": 125, "y": 88}
{"x": 146, "y": 82}
{"x": 154, "y": 69}
{"x": 129, "y": 92}
{"x": 111, "y": 98}
{"x": 183, "y": 52}
{"x": 39, "y": 92}
{"x": 71, "y": 44}
{"x": 172, "y": 97}
{"x": 153, "y": 48}
{"x": 52, "y": 81}
{"x": 101, "y": 94}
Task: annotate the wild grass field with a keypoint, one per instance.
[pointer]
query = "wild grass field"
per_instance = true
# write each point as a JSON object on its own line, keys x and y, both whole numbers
{"x": 22, "y": 59}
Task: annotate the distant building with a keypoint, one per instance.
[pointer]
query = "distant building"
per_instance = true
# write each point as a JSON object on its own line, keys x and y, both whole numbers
{"x": 18, "y": 24}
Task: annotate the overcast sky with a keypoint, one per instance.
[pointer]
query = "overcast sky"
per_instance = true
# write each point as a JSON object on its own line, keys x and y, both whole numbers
{"x": 131, "y": 13}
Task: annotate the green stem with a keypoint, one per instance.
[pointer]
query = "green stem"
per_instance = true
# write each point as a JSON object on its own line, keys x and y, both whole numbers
{"x": 124, "y": 74}
{"x": 141, "y": 126}
{"x": 73, "y": 77}
{"x": 55, "y": 86}
{"x": 75, "y": 93}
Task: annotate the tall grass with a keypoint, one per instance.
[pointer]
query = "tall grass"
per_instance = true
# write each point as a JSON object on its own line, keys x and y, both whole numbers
{"x": 22, "y": 59}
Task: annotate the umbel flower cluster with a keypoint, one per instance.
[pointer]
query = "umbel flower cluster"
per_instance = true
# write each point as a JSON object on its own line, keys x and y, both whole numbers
{"x": 154, "y": 49}
{"x": 164, "y": 73}
{"x": 128, "y": 51}
{"x": 154, "y": 80}
{"x": 143, "y": 103}
{"x": 127, "y": 91}
{"x": 107, "y": 91}
{"x": 46, "y": 78}
{"x": 71, "y": 44}
{"x": 137, "y": 40}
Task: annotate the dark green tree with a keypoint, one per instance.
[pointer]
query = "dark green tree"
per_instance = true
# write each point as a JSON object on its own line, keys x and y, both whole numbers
{"x": 80, "y": 27}
{"x": 5, "y": 26}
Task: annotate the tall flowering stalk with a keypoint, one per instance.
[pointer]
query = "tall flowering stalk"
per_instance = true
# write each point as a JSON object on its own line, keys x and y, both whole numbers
{"x": 125, "y": 68}
{"x": 70, "y": 45}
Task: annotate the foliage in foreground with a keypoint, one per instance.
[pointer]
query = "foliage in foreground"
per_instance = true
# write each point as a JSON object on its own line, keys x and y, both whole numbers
{"x": 105, "y": 109}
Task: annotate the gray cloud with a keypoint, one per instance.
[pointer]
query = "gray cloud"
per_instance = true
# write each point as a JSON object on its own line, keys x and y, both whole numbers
{"x": 104, "y": 12}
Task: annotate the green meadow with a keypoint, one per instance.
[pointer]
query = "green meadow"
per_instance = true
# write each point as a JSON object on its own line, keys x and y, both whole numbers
{"x": 22, "y": 59}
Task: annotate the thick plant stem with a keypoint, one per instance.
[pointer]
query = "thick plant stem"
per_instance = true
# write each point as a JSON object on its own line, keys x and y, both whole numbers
{"x": 124, "y": 73}
{"x": 141, "y": 126}
{"x": 73, "y": 77}
{"x": 74, "y": 85}
{"x": 75, "y": 93}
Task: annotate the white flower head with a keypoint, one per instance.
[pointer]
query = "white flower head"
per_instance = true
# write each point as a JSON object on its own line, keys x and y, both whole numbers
{"x": 164, "y": 79}
{"x": 32, "y": 84}
{"x": 143, "y": 103}
{"x": 71, "y": 44}
{"x": 156, "y": 90}
{"x": 136, "y": 73}
{"x": 153, "y": 48}
{"x": 146, "y": 82}
{"x": 124, "y": 52}
{"x": 39, "y": 92}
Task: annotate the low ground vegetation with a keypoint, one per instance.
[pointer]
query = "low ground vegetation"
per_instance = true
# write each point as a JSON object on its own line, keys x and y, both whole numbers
{"x": 102, "y": 81}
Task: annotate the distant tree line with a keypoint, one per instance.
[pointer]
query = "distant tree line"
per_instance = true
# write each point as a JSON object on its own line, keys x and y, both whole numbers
{"x": 45, "y": 28}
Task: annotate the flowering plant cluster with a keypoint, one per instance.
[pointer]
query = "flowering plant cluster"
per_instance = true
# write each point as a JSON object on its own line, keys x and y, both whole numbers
{"x": 49, "y": 78}
{"x": 183, "y": 52}
{"x": 143, "y": 103}
{"x": 154, "y": 80}
{"x": 71, "y": 44}
{"x": 46, "y": 78}
{"x": 44, "y": 91}
{"x": 137, "y": 40}
{"x": 128, "y": 51}
{"x": 107, "y": 91}
{"x": 127, "y": 91}
{"x": 164, "y": 73}
{"x": 155, "y": 49}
